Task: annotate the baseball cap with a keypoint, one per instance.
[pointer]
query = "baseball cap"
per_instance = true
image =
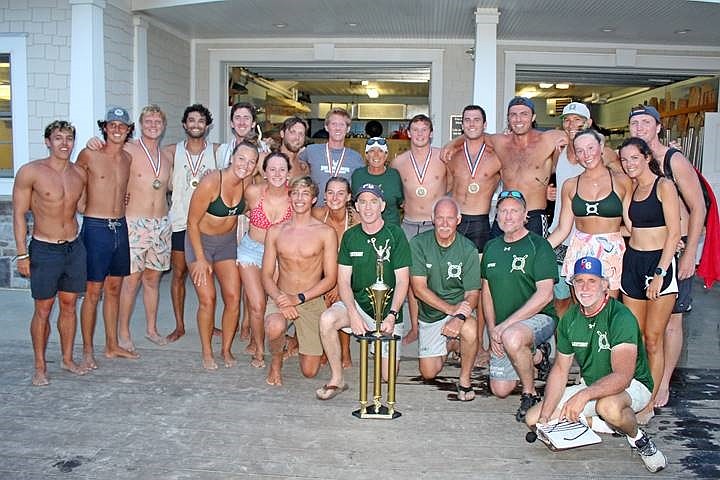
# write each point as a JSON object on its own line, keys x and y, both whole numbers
{"x": 522, "y": 101}
{"x": 576, "y": 108}
{"x": 371, "y": 188}
{"x": 588, "y": 265}
{"x": 118, "y": 114}
{"x": 517, "y": 195}
{"x": 376, "y": 142}
{"x": 645, "y": 110}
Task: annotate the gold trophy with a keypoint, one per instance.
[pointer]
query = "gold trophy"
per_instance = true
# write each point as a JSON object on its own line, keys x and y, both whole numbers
{"x": 380, "y": 294}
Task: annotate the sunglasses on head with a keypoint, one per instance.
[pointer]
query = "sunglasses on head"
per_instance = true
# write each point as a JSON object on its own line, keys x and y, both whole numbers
{"x": 376, "y": 141}
{"x": 511, "y": 193}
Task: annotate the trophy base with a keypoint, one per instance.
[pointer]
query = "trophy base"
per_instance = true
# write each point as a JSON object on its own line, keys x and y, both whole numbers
{"x": 383, "y": 413}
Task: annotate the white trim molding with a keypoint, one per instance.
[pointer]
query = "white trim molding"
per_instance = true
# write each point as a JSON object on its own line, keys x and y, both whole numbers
{"x": 16, "y": 46}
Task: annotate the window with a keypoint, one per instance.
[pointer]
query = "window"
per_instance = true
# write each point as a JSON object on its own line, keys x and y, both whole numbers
{"x": 14, "y": 147}
{"x": 6, "y": 136}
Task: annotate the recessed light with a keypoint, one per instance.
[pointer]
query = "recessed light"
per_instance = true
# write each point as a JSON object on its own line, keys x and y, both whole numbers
{"x": 373, "y": 93}
{"x": 607, "y": 29}
{"x": 545, "y": 85}
{"x": 364, "y": 83}
{"x": 684, "y": 31}
{"x": 352, "y": 24}
{"x": 279, "y": 25}
{"x": 562, "y": 86}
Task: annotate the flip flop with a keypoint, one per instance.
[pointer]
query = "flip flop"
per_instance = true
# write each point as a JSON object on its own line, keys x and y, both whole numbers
{"x": 330, "y": 391}
{"x": 465, "y": 394}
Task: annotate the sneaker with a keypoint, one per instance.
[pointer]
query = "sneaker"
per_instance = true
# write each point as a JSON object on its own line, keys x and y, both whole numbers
{"x": 543, "y": 368}
{"x": 527, "y": 400}
{"x": 653, "y": 458}
{"x": 598, "y": 425}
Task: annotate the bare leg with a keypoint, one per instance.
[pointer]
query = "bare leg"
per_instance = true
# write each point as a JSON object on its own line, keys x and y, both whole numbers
{"x": 413, "y": 309}
{"x": 245, "y": 325}
{"x": 151, "y": 299}
{"x": 67, "y": 323}
{"x": 177, "y": 293}
{"x": 128, "y": 292}
{"x": 483, "y": 355}
{"x": 229, "y": 279}
{"x": 111, "y": 307}
{"x": 673, "y": 347}
{"x": 332, "y": 320}
{"x": 88, "y": 319}
{"x": 40, "y": 332}
{"x": 275, "y": 327}
{"x": 468, "y": 351}
{"x": 345, "y": 349}
{"x": 206, "y": 321}
{"x": 517, "y": 341}
{"x": 256, "y": 305}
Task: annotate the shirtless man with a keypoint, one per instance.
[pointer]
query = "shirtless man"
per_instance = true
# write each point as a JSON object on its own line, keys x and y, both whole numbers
{"x": 304, "y": 250}
{"x": 148, "y": 224}
{"x": 51, "y": 188}
{"x": 473, "y": 176}
{"x": 424, "y": 179}
{"x": 105, "y": 233}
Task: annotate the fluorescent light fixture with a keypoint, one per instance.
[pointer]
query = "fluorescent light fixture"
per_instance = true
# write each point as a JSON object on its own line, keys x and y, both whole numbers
{"x": 684, "y": 31}
{"x": 373, "y": 93}
{"x": 562, "y": 86}
{"x": 280, "y": 25}
{"x": 545, "y": 85}
{"x": 364, "y": 83}
{"x": 607, "y": 29}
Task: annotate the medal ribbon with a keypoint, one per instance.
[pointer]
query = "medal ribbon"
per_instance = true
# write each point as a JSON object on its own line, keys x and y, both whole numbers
{"x": 156, "y": 168}
{"x": 420, "y": 175}
{"x": 472, "y": 166}
{"x": 228, "y": 152}
{"x": 330, "y": 161}
{"x": 195, "y": 168}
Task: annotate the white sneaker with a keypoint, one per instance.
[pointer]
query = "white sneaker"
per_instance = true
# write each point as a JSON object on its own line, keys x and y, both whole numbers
{"x": 653, "y": 458}
{"x": 598, "y": 425}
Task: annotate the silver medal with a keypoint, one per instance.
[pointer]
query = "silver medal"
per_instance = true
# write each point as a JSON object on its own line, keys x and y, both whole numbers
{"x": 473, "y": 187}
{"x": 421, "y": 191}
{"x": 157, "y": 184}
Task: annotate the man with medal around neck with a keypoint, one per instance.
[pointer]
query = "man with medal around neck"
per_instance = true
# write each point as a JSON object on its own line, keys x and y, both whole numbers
{"x": 149, "y": 227}
{"x": 473, "y": 176}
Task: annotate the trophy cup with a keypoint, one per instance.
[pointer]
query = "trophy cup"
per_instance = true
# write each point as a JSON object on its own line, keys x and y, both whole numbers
{"x": 380, "y": 294}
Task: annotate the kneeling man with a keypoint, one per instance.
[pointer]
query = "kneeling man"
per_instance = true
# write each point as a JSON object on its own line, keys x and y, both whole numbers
{"x": 605, "y": 339}
{"x": 445, "y": 277}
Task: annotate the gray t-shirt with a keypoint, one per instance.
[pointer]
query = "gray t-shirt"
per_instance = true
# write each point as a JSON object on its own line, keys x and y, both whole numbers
{"x": 344, "y": 159}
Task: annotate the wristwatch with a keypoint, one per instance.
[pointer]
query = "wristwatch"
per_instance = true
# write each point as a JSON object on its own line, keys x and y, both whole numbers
{"x": 301, "y": 297}
{"x": 659, "y": 271}
{"x": 394, "y": 313}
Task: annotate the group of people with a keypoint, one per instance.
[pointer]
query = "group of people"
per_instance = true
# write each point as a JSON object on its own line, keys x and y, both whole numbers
{"x": 294, "y": 235}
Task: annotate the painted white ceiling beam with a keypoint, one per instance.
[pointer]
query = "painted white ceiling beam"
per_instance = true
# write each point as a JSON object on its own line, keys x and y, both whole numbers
{"x": 150, "y": 4}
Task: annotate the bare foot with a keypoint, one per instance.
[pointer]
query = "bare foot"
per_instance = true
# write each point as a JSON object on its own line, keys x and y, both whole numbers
{"x": 119, "y": 352}
{"x": 292, "y": 349}
{"x": 644, "y": 416}
{"x": 274, "y": 377}
{"x": 323, "y": 360}
{"x": 411, "y": 336}
{"x": 662, "y": 396}
{"x": 229, "y": 360}
{"x": 250, "y": 349}
{"x": 89, "y": 361}
{"x": 217, "y": 332}
{"x": 127, "y": 344}
{"x": 258, "y": 362}
{"x": 156, "y": 339}
{"x": 39, "y": 379}
{"x": 175, "y": 335}
{"x": 482, "y": 359}
{"x": 346, "y": 362}
{"x": 209, "y": 364}
{"x": 73, "y": 367}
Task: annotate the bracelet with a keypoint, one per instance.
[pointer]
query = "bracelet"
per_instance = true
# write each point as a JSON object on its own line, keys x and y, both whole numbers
{"x": 24, "y": 256}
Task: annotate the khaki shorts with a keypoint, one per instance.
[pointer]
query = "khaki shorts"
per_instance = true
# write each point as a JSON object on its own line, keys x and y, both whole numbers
{"x": 307, "y": 325}
{"x": 150, "y": 243}
{"x": 639, "y": 396}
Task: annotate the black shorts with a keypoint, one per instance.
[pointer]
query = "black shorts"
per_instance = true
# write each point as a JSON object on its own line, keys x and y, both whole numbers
{"x": 57, "y": 267}
{"x": 108, "y": 248}
{"x": 178, "y": 241}
{"x": 638, "y": 270}
{"x": 537, "y": 221}
{"x": 683, "y": 304}
{"x": 476, "y": 228}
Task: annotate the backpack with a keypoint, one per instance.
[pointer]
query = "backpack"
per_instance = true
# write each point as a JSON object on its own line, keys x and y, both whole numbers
{"x": 704, "y": 185}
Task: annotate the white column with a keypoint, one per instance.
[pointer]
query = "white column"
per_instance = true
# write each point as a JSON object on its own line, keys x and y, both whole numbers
{"x": 485, "y": 82}
{"x": 140, "y": 65}
{"x": 87, "y": 67}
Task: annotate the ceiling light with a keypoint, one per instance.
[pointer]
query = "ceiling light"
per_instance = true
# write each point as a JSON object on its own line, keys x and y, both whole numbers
{"x": 607, "y": 29}
{"x": 684, "y": 31}
{"x": 373, "y": 93}
{"x": 545, "y": 85}
{"x": 364, "y": 83}
{"x": 280, "y": 25}
{"x": 562, "y": 86}
{"x": 352, "y": 24}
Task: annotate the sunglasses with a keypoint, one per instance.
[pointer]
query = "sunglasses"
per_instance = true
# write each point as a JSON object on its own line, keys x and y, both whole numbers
{"x": 376, "y": 141}
{"x": 511, "y": 193}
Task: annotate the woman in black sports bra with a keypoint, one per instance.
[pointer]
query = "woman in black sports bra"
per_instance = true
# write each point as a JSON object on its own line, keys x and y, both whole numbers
{"x": 211, "y": 247}
{"x": 649, "y": 284}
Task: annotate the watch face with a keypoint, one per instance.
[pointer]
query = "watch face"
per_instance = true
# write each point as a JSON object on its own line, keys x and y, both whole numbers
{"x": 660, "y": 271}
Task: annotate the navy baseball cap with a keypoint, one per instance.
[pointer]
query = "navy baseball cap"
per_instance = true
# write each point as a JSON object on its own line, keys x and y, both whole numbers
{"x": 117, "y": 114}
{"x": 645, "y": 110}
{"x": 522, "y": 101}
{"x": 371, "y": 188}
{"x": 588, "y": 265}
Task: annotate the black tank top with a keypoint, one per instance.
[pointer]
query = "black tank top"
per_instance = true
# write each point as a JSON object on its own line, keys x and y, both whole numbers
{"x": 647, "y": 213}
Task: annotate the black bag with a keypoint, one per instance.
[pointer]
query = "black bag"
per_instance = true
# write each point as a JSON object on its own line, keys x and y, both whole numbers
{"x": 667, "y": 170}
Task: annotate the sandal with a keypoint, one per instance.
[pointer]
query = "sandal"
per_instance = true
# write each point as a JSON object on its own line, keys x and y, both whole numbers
{"x": 326, "y": 392}
{"x": 465, "y": 394}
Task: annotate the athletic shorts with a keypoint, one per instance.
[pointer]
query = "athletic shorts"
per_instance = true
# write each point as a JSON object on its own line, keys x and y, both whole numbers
{"x": 107, "y": 247}
{"x": 609, "y": 248}
{"x": 561, "y": 290}
{"x": 178, "y": 241}
{"x": 542, "y": 327}
{"x": 370, "y": 322}
{"x": 150, "y": 240}
{"x": 413, "y": 228}
{"x": 215, "y": 247}
{"x": 307, "y": 324}
{"x": 638, "y": 271}
{"x": 476, "y": 228}
{"x": 639, "y": 397}
{"x": 536, "y": 221}
{"x": 57, "y": 267}
{"x": 431, "y": 341}
{"x": 250, "y": 252}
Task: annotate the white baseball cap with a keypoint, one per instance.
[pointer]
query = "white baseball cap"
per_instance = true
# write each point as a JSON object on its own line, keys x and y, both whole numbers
{"x": 576, "y": 108}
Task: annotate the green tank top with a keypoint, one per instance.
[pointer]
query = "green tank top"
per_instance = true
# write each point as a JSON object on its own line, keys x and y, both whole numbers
{"x": 218, "y": 208}
{"x": 608, "y": 207}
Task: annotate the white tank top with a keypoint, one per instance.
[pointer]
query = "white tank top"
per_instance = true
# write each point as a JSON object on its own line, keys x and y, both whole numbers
{"x": 182, "y": 182}
{"x": 563, "y": 171}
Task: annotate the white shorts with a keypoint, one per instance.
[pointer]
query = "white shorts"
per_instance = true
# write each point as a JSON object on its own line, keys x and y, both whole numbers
{"x": 370, "y": 322}
{"x": 639, "y": 396}
{"x": 431, "y": 341}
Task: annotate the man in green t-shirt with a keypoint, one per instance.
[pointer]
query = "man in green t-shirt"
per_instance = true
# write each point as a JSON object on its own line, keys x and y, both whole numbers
{"x": 445, "y": 277}
{"x": 605, "y": 339}
{"x": 518, "y": 272}
{"x": 360, "y": 247}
